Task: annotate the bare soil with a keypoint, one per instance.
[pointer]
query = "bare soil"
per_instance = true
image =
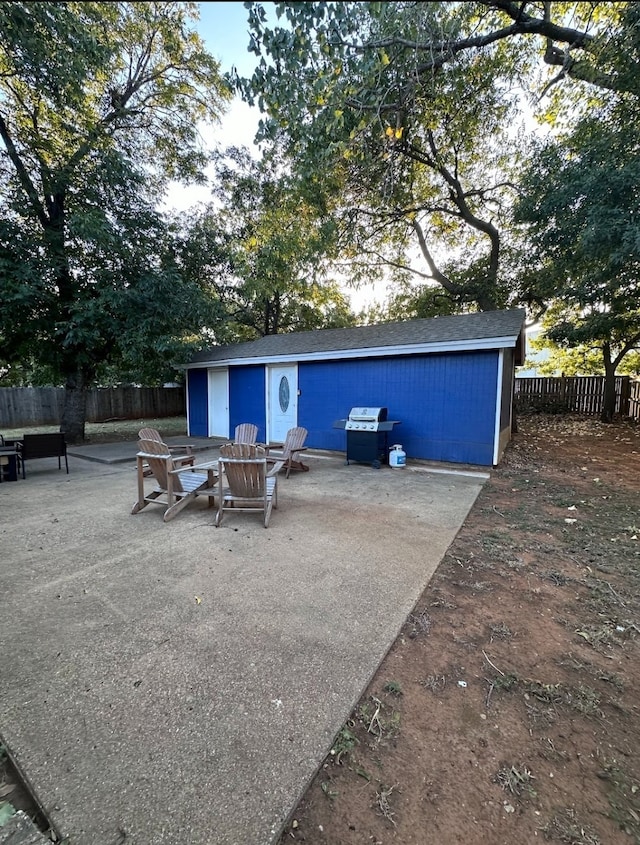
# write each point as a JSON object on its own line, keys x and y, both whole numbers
{"x": 507, "y": 711}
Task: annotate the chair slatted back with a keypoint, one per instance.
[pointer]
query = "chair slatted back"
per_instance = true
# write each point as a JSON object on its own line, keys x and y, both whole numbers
{"x": 150, "y": 434}
{"x": 245, "y": 433}
{"x": 294, "y": 440}
{"x": 51, "y": 445}
{"x": 160, "y": 462}
{"x": 244, "y": 466}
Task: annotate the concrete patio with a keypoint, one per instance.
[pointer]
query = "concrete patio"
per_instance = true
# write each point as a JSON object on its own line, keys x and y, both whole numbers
{"x": 181, "y": 683}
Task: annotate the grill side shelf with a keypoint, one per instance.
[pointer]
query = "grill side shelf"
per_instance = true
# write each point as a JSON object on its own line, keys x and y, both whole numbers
{"x": 388, "y": 425}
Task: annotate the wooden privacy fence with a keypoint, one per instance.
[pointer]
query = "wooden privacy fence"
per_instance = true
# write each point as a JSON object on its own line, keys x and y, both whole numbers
{"x": 581, "y": 394}
{"x": 27, "y": 406}
{"x": 634, "y": 400}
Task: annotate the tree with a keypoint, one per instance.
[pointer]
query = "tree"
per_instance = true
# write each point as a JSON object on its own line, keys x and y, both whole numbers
{"x": 417, "y": 102}
{"x": 408, "y": 303}
{"x": 580, "y": 360}
{"x": 99, "y": 105}
{"x": 592, "y": 42}
{"x": 581, "y": 208}
{"x": 422, "y": 149}
{"x": 135, "y": 316}
{"x": 265, "y": 249}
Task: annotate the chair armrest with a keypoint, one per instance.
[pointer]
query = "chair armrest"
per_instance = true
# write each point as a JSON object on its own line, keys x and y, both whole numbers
{"x": 152, "y": 455}
{"x": 275, "y": 469}
{"x": 268, "y": 446}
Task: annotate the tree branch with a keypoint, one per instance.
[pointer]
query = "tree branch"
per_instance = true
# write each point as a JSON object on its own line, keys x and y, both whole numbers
{"x": 442, "y": 279}
{"x": 628, "y": 346}
{"x": 526, "y": 24}
{"x": 574, "y": 38}
{"x": 441, "y": 52}
{"x": 23, "y": 176}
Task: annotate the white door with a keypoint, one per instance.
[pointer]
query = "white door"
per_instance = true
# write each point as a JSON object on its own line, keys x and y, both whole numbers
{"x": 218, "y": 403}
{"x": 282, "y": 401}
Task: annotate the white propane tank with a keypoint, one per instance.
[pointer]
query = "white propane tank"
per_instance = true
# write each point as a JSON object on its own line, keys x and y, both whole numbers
{"x": 397, "y": 458}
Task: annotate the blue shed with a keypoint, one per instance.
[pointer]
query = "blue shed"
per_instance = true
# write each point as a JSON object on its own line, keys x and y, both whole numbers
{"x": 448, "y": 380}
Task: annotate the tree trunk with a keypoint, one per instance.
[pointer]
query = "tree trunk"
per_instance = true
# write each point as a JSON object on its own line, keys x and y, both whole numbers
{"x": 77, "y": 378}
{"x": 75, "y": 407}
{"x": 609, "y": 399}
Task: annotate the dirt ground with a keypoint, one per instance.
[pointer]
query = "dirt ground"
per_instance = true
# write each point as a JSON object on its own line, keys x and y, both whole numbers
{"x": 507, "y": 709}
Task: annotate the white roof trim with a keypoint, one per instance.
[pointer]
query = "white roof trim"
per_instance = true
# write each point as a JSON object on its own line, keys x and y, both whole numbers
{"x": 364, "y": 352}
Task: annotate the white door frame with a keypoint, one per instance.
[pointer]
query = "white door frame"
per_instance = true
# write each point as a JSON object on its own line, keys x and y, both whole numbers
{"x": 218, "y": 402}
{"x": 276, "y": 434}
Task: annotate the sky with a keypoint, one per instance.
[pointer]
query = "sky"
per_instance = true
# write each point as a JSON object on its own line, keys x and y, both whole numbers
{"x": 224, "y": 29}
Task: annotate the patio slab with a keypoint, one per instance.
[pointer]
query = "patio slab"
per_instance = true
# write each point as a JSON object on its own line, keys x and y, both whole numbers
{"x": 118, "y": 453}
{"x": 181, "y": 683}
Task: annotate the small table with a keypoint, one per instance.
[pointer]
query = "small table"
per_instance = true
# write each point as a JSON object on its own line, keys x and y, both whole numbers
{"x": 210, "y": 466}
{"x": 9, "y": 457}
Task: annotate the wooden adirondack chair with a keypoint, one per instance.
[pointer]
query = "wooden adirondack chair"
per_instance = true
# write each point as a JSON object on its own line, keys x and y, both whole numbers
{"x": 288, "y": 453}
{"x": 176, "y": 486}
{"x": 249, "y": 487}
{"x": 182, "y": 453}
{"x": 245, "y": 433}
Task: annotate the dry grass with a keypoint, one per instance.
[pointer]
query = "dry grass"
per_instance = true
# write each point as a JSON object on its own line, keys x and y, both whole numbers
{"x": 566, "y": 827}
{"x": 115, "y": 431}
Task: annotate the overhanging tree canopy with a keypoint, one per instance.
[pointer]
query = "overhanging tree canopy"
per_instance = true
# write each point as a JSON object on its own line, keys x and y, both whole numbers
{"x": 414, "y": 105}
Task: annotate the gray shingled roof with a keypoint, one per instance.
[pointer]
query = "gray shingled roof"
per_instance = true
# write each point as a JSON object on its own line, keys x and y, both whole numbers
{"x": 460, "y": 328}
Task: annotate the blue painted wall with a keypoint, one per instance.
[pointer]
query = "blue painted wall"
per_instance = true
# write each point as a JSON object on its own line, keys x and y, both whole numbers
{"x": 446, "y": 403}
{"x": 198, "y": 406}
{"x": 247, "y": 398}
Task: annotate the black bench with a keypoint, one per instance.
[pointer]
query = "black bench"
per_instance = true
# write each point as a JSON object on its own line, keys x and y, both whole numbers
{"x": 34, "y": 446}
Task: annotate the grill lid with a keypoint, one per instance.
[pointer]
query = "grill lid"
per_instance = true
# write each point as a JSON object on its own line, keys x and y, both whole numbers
{"x": 365, "y": 419}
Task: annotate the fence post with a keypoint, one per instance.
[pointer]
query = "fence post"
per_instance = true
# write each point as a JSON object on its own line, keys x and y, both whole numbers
{"x": 625, "y": 394}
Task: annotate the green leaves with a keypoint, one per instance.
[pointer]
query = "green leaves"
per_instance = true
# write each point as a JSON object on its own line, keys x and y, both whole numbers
{"x": 99, "y": 108}
{"x": 581, "y": 209}
{"x": 409, "y": 147}
{"x": 272, "y": 241}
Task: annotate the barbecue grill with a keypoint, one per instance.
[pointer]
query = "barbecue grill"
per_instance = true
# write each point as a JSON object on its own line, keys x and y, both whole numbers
{"x": 367, "y": 430}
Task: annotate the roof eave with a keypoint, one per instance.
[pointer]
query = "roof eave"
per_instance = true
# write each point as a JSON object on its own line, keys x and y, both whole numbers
{"x": 506, "y": 341}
